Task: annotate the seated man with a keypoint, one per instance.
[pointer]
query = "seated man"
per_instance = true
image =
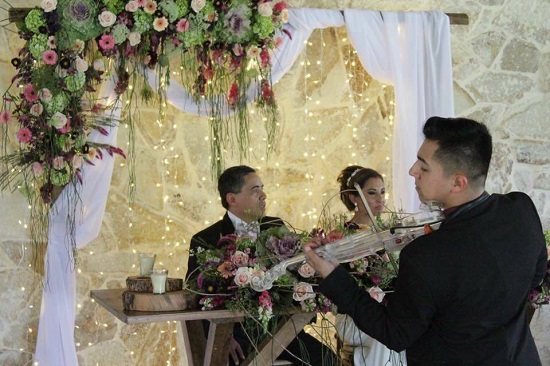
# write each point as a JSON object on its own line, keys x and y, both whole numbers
{"x": 241, "y": 192}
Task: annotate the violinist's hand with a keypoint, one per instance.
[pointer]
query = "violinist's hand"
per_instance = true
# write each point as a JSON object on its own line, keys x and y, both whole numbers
{"x": 321, "y": 266}
{"x": 236, "y": 351}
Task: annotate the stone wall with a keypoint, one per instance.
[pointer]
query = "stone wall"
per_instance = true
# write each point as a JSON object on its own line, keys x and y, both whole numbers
{"x": 332, "y": 114}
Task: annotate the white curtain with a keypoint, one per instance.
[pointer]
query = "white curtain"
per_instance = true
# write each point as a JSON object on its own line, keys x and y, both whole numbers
{"x": 55, "y": 342}
{"x": 412, "y": 52}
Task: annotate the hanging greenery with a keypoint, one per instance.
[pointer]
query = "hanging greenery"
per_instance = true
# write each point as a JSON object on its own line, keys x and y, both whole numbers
{"x": 72, "y": 46}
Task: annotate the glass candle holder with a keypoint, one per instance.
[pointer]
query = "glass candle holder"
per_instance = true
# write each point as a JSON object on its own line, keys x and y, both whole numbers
{"x": 146, "y": 263}
{"x": 158, "y": 278}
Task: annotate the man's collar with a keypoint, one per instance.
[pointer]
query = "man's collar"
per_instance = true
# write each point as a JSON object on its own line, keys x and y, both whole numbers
{"x": 243, "y": 228}
{"x": 456, "y": 210}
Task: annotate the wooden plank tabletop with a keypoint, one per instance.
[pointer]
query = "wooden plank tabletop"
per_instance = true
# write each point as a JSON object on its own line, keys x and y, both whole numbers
{"x": 111, "y": 300}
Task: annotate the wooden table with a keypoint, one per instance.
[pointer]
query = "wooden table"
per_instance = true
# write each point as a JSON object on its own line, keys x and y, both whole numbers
{"x": 214, "y": 349}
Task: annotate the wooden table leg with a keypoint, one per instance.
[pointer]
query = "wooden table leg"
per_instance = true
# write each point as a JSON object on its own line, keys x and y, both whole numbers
{"x": 287, "y": 330}
{"x": 194, "y": 340}
{"x": 218, "y": 343}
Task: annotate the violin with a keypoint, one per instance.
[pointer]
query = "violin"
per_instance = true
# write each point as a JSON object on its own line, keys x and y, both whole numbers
{"x": 360, "y": 245}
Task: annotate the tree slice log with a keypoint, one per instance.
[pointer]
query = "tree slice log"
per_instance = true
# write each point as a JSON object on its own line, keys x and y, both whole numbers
{"x": 144, "y": 284}
{"x": 169, "y": 301}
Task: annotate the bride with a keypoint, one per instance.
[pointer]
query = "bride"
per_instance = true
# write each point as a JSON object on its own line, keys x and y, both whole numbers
{"x": 367, "y": 351}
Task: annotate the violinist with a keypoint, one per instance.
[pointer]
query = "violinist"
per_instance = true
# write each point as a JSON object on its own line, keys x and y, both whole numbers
{"x": 461, "y": 291}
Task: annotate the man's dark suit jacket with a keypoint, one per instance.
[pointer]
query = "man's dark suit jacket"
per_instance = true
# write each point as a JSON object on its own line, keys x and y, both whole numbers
{"x": 317, "y": 354}
{"x": 462, "y": 290}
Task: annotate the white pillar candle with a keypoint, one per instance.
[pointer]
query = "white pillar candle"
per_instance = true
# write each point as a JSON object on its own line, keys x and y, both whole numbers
{"x": 158, "y": 278}
{"x": 146, "y": 263}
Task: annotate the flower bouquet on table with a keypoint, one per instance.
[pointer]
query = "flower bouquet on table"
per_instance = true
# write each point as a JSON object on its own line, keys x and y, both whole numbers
{"x": 227, "y": 271}
{"x": 541, "y": 294}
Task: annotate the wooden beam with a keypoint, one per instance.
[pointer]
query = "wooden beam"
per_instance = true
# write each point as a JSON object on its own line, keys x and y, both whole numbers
{"x": 458, "y": 18}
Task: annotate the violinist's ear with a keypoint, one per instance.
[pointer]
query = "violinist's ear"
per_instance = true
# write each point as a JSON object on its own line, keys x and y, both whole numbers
{"x": 460, "y": 183}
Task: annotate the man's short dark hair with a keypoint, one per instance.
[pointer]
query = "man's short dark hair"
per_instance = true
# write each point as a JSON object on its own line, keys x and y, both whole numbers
{"x": 232, "y": 181}
{"x": 464, "y": 145}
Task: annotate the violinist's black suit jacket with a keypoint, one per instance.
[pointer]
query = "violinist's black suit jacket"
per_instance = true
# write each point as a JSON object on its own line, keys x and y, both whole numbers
{"x": 317, "y": 354}
{"x": 461, "y": 291}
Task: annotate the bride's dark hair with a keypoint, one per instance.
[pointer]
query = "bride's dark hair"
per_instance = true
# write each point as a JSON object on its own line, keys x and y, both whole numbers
{"x": 351, "y": 175}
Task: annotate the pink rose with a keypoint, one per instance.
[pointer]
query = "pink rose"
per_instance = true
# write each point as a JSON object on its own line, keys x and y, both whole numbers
{"x": 376, "y": 293}
{"x": 106, "y": 18}
{"x": 24, "y": 135}
{"x": 58, "y": 163}
{"x": 37, "y": 168}
{"x": 132, "y": 6}
{"x": 239, "y": 258}
{"x": 48, "y": 5}
{"x": 242, "y": 276}
{"x": 37, "y": 109}
{"x": 306, "y": 270}
{"x": 303, "y": 291}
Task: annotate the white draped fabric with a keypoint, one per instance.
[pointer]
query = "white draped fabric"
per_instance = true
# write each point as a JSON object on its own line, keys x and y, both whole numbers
{"x": 416, "y": 64}
{"x": 411, "y": 51}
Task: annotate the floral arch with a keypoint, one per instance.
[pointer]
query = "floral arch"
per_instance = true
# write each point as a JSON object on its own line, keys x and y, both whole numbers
{"x": 423, "y": 87}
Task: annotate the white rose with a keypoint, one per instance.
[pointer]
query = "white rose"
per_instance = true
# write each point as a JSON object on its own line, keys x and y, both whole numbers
{"x": 306, "y": 270}
{"x": 376, "y": 293}
{"x": 45, "y": 95}
{"x": 242, "y": 276}
{"x": 58, "y": 120}
{"x": 106, "y": 18}
{"x": 303, "y": 291}
{"x": 198, "y": 5}
{"x": 284, "y": 16}
{"x": 132, "y": 6}
{"x": 99, "y": 65}
{"x": 81, "y": 64}
{"x": 265, "y": 9}
{"x": 48, "y": 5}
{"x": 134, "y": 38}
{"x": 37, "y": 109}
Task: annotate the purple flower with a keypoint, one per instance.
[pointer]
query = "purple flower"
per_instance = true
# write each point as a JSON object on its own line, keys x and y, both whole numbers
{"x": 286, "y": 246}
{"x": 237, "y": 22}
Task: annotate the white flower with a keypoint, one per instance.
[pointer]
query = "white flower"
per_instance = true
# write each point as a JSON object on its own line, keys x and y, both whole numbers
{"x": 81, "y": 64}
{"x": 265, "y": 9}
{"x": 253, "y": 51}
{"x": 58, "y": 163}
{"x": 243, "y": 276}
{"x": 132, "y": 6}
{"x": 198, "y": 5}
{"x": 303, "y": 291}
{"x": 58, "y": 120}
{"x": 48, "y": 5}
{"x": 99, "y": 65}
{"x": 77, "y": 161}
{"x": 37, "y": 109}
{"x": 106, "y": 18}
{"x": 284, "y": 16}
{"x": 160, "y": 24}
{"x": 306, "y": 270}
{"x": 78, "y": 46}
{"x": 45, "y": 95}
{"x": 51, "y": 42}
{"x": 134, "y": 38}
{"x": 376, "y": 293}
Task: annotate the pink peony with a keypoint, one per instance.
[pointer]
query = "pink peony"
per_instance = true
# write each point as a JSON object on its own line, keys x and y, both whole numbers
{"x": 30, "y": 93}
{"x": 49, "y": 57}
{"x": 107, "y": 42}
{"x": 5, "y": 116}
{"x": 183, "y": 25}
{"x": 24, "y": 135}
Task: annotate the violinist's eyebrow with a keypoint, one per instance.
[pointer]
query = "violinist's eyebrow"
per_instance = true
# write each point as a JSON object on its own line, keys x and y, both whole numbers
{"x": 422, "y": 159}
